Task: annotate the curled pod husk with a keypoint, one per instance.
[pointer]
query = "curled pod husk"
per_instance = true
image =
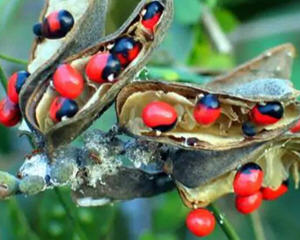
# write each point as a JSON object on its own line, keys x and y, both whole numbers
{"x": 262, "y": 80}
{"x": 89, "y": 26}
{"x": 202, "y": 177}
{"x": 95, "y": 97}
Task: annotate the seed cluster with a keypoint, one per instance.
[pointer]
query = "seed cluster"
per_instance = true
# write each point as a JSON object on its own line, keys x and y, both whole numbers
{"x": 71, "y": 84}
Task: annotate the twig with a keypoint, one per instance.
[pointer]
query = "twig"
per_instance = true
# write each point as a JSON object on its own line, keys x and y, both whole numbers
{"x": 224, "y": 223}
{"x": 71, "y": 218}
{"x": 13, "y": 60}
{"x": 257, "y": 226}
{"x": 3, "y": 79}
{"x": 215, "y": 32}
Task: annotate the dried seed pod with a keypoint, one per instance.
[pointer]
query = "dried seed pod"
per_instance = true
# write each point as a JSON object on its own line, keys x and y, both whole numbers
{"x": 235, "y": 101}
{"x": 88, "y": 13}
{"x": 204, "y": 176}
{"x": 96, "y": 96}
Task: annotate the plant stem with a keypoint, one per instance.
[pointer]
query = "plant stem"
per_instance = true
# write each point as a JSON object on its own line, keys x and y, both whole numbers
{"x": 13, "y": 60}
{"x": 257, "y": 226}
{"x": 3, "y": 79}
{"x": 224, "y": 223}
{"x": 73, "y": 221}
{"x": 17, "y": 217}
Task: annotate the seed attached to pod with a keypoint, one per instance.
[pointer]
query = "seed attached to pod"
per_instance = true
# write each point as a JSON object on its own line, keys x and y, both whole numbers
{"x": 269, "y": 113}
{"x": 103, "y": 67}
{"x": 248, "y": 179}
{"x": 207, "y": 109}
{"x": 248, "y": 204}
{"x": 9, "y": 113}
{"x": 15, "y": 83}
{"x": 201, "y": 222}
{"x": 126, "y": 50}
{"x": 273, "y": 194}
{"x": 249, "y": 129}
{"x": 68, "y": 81}
{"x": 296, "y": 128}
{"x": 152, "y": 14}
{"x": 160, "y": 116}
{"x": 62, "y": 107}
{"x": 56, "y": 25}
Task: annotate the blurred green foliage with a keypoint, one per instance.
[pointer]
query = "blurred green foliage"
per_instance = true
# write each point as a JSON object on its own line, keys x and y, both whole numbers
{"x": 248, "y": 24}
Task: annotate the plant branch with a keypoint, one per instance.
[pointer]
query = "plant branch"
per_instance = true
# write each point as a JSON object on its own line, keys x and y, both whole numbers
{"x": 3, "y": 79}
{"x": 257, "y": 226}
{"x": 13, "y": 60}
{"x": 71, "y": 218}
{"x": 224, "y": 223}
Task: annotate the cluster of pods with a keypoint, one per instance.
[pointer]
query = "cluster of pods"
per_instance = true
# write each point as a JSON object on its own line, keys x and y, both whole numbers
{"x": 249, "y": 193}
{"x": 69, "y": 83}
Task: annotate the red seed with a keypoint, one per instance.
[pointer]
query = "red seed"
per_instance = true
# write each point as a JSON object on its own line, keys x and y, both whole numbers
{"x": 248, "y": 204}
{"x": 268, "y": 113}
{"x": 103, "y": 67}
{"x": 9, "y": 113}
{"x": 62, "y": 107}
{"x": 201, "y": 222}
{"x": 68, "y": 81}
{"x": 273, "y": 194}
{"x": 296, "y": 128}
{"x": 15, "y": 83}
{"x": 248, "y": 179}
{"x": 159, "y": 115}
{"x": 207, "y": 110}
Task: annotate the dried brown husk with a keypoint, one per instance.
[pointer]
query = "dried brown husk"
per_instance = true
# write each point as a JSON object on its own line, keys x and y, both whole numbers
{"x": 279, "y": 160}
{"x": 96, "y": 98}
{"x": 236, "y": 103}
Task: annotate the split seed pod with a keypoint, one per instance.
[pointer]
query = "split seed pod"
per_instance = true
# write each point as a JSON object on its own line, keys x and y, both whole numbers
{"x": 260, "y": 81}
{"x": 202, "y": 177}
{"x": 39, "y": 93}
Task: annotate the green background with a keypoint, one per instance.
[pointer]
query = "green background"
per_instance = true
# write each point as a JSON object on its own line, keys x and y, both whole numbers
{"x": 252, "y": 26}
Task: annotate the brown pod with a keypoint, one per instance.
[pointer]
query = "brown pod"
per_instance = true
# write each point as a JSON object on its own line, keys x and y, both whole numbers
{"x": 267, "y": 83}
{"x": 202, "y": 177}
{"x": 96, "y": 96}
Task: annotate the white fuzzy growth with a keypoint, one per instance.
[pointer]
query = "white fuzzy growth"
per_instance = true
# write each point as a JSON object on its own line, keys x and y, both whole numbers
{"x": 24, "y": 127}
{"x": 90, "y": 202}
{"x": 35, "y": 166}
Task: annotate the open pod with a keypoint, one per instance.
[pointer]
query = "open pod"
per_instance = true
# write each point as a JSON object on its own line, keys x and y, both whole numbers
{"x": 96, "y": 96}
{"x": 89, "y": 17}
{"x": 266, "y": 85}
{"x": 202, "y": 180}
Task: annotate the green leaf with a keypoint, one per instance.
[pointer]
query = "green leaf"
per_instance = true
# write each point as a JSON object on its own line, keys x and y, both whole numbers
{"x": 187, "y": 11}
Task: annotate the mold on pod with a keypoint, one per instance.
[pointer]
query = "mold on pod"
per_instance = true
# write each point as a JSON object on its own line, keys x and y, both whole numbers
{"x": 104, "y": 67}
{"x": 9, "y": 113}
{"x": 222, "y": 113}
{"x": 15, "y": 83}
{"x": 204, "y": 176}
{"x": 56, "y": 25}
